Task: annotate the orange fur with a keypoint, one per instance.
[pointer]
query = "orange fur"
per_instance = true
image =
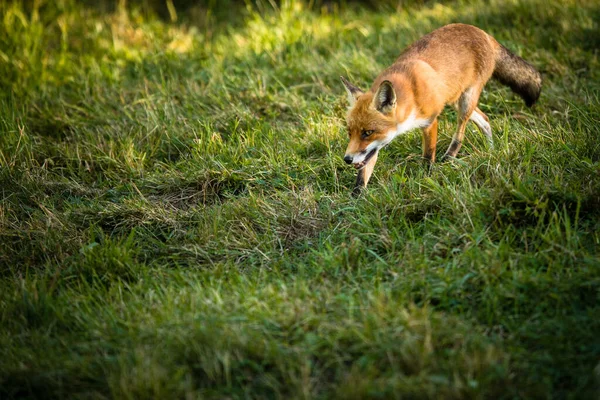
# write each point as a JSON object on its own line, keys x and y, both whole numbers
{"x": 451, "y": 65}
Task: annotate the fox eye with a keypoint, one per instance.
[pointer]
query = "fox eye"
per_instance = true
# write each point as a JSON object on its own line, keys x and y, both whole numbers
{"x": 367, "y": 132}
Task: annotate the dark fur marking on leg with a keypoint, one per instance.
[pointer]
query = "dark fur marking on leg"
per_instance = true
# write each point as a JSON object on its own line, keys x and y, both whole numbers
{"x": 360, "y": 183}
{"x": 454, "y": 147}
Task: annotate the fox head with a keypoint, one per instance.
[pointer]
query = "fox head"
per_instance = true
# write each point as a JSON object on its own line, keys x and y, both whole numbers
{"x": 374, "y": 119}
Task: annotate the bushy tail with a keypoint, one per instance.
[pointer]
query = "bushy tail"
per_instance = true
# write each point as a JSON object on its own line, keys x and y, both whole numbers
{"x": 519, "y": 75}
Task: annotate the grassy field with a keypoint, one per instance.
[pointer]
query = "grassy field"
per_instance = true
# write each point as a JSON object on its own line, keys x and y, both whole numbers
{"x": 176, "y": 218}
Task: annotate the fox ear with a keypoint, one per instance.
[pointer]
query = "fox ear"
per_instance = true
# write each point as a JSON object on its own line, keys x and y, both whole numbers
{"x": 384, "y": 100}
{"x": 353, "y": 91}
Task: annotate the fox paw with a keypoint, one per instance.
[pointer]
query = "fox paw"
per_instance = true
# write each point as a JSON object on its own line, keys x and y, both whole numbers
{"x": 357, "y": 191}
{"x": 447, "y": 157}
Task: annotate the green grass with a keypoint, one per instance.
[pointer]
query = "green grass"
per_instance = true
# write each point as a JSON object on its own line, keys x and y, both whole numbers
{"x": 176, "y": 218}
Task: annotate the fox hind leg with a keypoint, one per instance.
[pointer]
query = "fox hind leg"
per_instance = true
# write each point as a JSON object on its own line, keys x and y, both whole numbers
{"x": 482, "y": 122}
{"x": 467, "y": 103}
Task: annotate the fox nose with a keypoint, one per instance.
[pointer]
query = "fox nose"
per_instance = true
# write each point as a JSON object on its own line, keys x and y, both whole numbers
{"x": 348, "y": 159}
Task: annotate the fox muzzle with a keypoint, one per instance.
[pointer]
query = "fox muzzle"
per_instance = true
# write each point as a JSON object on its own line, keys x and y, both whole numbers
{"x": 359, "y": 160}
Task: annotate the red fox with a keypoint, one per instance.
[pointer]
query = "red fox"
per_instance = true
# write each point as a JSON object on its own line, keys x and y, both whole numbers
{"x": 451, "y": 65}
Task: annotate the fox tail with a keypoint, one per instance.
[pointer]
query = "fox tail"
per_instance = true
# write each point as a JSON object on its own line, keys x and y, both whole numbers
{"x": 516, "y": 73}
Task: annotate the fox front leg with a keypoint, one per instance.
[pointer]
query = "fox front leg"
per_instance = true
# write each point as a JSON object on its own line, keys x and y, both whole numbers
{"x": 430, "y": 141}
{"x": 364, "y": 174}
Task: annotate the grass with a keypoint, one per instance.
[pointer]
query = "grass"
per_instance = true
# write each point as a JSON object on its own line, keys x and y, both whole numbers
{"x": 176, "y": 218}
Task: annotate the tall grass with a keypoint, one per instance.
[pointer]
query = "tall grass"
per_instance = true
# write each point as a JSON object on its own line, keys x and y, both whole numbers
{"x": 175, "y": 217}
